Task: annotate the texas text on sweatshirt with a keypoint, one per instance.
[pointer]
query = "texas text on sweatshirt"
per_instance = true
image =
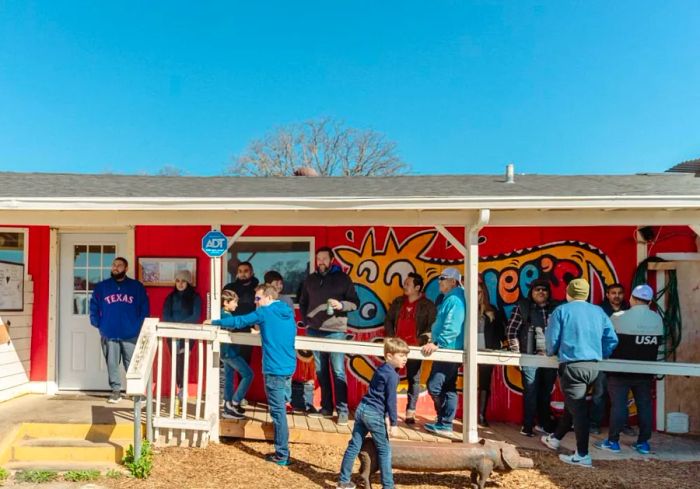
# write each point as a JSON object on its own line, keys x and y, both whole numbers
{"x": 118, "y": 309}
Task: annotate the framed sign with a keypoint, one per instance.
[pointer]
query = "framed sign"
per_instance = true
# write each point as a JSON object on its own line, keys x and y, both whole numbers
{"x": 11, "y": 286}
{"x": 160, "y": 272}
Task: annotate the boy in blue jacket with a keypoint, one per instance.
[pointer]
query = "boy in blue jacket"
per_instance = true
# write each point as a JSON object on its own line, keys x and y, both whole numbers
{"x": 447, "y": 332}
{"x": 376, "y": 415}
{"x": 278, "y": 331}
{"x": 117, "y": 308}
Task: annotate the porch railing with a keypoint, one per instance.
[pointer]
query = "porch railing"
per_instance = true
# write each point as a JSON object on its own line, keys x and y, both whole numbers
{"x": 200, "y": 423}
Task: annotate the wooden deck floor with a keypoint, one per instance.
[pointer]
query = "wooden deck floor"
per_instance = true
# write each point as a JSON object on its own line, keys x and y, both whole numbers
{"x": 305, "y": 429}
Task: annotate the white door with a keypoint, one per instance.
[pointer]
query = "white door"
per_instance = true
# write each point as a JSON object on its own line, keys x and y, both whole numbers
{"x": 86, "y": 259}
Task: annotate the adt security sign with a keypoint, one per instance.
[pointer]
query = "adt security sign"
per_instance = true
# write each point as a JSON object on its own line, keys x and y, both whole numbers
{"x": 214, "y": 244}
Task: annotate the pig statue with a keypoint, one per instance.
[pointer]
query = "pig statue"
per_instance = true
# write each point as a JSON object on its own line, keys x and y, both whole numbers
{"x": 479, "y": 458}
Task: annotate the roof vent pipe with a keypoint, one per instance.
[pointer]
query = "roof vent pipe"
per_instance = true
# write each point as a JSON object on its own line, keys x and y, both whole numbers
{"x": 510, "y": 173}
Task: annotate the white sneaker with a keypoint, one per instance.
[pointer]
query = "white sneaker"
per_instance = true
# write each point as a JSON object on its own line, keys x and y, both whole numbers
{"x": 576, "y": 459}
{"x": 550, "y": 442}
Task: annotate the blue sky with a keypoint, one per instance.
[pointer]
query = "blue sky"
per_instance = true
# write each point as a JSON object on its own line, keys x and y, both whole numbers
{"x": 460, "y": 86}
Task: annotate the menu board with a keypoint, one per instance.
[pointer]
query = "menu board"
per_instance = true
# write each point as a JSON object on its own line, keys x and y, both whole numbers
{"x": 11, "y": 286}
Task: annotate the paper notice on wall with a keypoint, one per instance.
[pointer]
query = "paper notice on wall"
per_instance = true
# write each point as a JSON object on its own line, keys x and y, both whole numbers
{"x": 11, "y": 286}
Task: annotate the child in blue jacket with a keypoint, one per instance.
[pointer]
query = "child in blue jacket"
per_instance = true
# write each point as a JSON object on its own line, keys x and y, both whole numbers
{"x": 278, "y": 331}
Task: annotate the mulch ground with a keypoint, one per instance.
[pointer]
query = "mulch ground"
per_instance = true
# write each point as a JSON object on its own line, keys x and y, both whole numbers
{"x": 241, "y": 464}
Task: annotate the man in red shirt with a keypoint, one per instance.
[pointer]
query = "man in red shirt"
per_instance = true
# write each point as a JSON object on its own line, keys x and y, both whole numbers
{"x": 410, "y": 318}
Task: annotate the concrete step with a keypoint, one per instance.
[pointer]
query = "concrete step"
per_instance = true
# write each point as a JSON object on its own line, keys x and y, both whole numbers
{"x": 65, "y": 466}
{"x": 68, "y": 449}
{"x": 81, "y": 431}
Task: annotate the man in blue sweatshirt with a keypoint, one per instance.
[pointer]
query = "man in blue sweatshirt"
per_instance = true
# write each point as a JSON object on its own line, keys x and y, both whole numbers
{"x": 279, "y": 359}
{"x": 448, "y": 333}
{"x": 580, "y": 334}
{"x": 117, "y": 308}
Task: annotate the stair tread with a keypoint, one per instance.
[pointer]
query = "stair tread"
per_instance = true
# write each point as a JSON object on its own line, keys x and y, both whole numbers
{"x": 62, "y": 465}
{"x": 70, "y": 442}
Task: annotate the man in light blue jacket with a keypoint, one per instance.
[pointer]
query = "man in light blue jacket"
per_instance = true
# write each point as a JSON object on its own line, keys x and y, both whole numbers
{"x": 580, "y": 334}
{"x": 447, "y": 333}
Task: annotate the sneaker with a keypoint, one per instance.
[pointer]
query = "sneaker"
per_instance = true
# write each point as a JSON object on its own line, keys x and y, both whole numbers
{"x": 642, "y": 447}
{"x": 319, "y": 413}
{"x": 346, "y": 485}
{"x": 282, "y": 462}
{"x": 576, "y": 459}
{"x": 234, "y": 407}
{"x": 527, "y": 432}
{"x": 243, "y": 403}
{"x": 541, "y": 430}
{"x": 440, "y": 429}
{"x": 550, "y": 442}
{"x": 410, "y": 416}
{"x": 115, "y": 397}
{"x": 610, "y": 446}
{"x": 342, "y": 419}
{"x": 594, "y": 429}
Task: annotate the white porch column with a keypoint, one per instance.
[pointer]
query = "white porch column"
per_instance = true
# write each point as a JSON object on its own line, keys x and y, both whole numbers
{"x": 471, "y": 320}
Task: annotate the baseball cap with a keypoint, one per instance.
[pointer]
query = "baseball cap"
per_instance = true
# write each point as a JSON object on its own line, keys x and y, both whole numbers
{"x": 643, "y": 292}
{"x": 452, "y": 273}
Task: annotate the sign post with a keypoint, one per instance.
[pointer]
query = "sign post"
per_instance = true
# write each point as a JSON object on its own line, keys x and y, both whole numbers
{"x": 214, "y": 245}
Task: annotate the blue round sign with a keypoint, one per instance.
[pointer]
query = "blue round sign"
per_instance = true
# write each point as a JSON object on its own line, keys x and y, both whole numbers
{"x": 214, "y": 244}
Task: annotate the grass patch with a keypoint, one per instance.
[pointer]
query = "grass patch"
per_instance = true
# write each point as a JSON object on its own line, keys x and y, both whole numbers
{"x": 4, "y": 474}
{"x": 81, "y": 475}
{"x": 114, "y": 474}
{"x": 142, "y": 467}
{"x": 36, "y": 476}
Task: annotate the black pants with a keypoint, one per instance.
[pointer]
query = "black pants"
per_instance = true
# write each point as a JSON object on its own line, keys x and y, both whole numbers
{"x": 574, "y": 379}
{"x": 413, "y": 377}
{"x": 619, "y": 386}
{"x": 180, "y": 367}
{"x": 485, "y": 372}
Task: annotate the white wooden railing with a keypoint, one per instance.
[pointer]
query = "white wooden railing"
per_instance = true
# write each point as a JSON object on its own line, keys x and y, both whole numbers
{"x": 200, "y": 423}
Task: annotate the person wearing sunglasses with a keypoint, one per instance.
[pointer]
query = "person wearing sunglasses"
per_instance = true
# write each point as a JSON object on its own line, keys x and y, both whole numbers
{"x": 279, "y": 360}
{"x": 526, "y": 334}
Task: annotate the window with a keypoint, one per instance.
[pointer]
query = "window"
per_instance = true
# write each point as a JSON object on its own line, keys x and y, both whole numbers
{"x": 91, "y": 265}
{"x": 12, "y": 246}
{"x": 289, "y": 256}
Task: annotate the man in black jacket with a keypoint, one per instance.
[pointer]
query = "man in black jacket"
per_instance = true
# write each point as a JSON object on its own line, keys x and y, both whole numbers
{"x": 410, "y": 318}
{"x": 244, "y": 286}
{"x": 525, "y": 334}
{"x": 328, "y": 295}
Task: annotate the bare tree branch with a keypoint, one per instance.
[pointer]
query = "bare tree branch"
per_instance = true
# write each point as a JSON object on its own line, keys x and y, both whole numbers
{"x": 325, "y": 145}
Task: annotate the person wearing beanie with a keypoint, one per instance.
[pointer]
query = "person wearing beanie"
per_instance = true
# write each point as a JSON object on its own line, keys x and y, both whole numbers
{"x": 182, "y": 305}
{"x": 580, "y": 334}
{"x": 525, "y": 334}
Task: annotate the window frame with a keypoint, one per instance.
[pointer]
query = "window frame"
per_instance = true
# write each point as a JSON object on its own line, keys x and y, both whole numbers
{"x": 311, "y": 240}
{"x": 25, "y": 252}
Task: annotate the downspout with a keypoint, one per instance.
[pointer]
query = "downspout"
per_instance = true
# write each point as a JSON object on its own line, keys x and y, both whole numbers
{"x": 471, "y": 325}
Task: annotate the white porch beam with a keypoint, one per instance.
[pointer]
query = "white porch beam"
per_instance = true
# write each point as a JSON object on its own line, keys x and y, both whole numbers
{"x": 595, "y": 217}
{"x": 471, "y": 295}
{"x": 451, "y": 238}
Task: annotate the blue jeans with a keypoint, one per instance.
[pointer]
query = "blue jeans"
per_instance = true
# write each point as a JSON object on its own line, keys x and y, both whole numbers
{"x": 368, "y": 420}
{"x": 276, "y": 388}
{"x": 537, "y": 394}
{"x": 302, "y": 395}
{"x": 116, "y": 352}
{"x": 618, "y": 387}
{"x": 323, "y": 363}
{"x": 442, "y": 386}
{"x": 234, "y": 362}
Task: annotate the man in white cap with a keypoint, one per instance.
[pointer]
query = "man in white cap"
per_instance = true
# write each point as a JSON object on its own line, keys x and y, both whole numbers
{"x": 641, "y": 332}
{"x": 580, "y": 334}
{"x": 447, "y": 332}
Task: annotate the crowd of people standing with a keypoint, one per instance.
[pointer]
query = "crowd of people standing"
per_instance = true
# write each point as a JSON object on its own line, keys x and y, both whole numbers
{"x": 579, "y": 333}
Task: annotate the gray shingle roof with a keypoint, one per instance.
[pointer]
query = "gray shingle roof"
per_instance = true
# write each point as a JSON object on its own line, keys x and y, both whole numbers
{"x": 48, "y": 186}
{"x": 690, "y": 166}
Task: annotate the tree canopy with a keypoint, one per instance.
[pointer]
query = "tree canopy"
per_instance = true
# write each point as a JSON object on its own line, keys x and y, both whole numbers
{"x": 324, "y": 145}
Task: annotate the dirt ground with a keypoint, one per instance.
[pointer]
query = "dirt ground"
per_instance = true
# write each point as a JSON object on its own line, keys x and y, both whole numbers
{"x": 241, "y": 465}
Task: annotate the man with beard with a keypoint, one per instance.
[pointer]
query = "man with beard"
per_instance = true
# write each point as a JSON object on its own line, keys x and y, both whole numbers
{"x": 117, "y": 308}
{"x": 244, "y": 286}
{"x": 328, "y": 295}
{"x": 614, "y": 302}
{"x": 526, "y": 333}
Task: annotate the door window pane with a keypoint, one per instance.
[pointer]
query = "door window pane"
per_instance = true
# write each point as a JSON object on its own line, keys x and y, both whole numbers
{"x": 80, "y": 304}
{"x": 79, "y": 279}
{"x": 80, "y": 254}
{"x": 94, "y": 256}
{"x": 94, "y": 277}
{"x": 109, "y": 253}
